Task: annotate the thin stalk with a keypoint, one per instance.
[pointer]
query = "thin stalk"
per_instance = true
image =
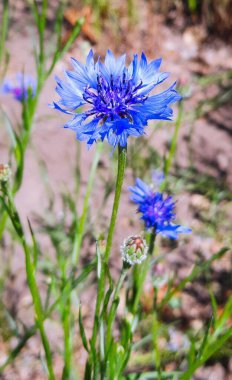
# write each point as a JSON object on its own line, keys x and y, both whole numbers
{"x": 100, "y": 296}
{"x": 119, "y": 182}
{"x": 157, "y": 354}
{"x": 4, "y": 28}
{"x": 81, "y": 225}
{"x": 30, "y": 272}
{"x": 67, "y": 341}
{"x": 60, "y": 51}
{"x": 143, "y": 273}
{"x": 101, "y": 278}
{"x": 113, "y": 308}
{"x": 39, "y": 317}
{"x": 41, "y": 28}
{"x": 29, "y": 109}
{"x": 65, "y": 307}
{"x": 31, "y": 332}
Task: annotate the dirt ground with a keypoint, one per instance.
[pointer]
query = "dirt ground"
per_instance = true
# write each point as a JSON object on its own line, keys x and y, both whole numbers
{"x": 185, "y": 54}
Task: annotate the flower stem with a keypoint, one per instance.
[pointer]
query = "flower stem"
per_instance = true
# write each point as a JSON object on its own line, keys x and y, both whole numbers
{"x": 114, "y": 306}
{"x": 81, "y": 224}
{"x": 31, "y": 279}
{"x": 4, "y": 30}
{"x": 67, "y": 340}
{"x": 119, "y": 182}
{"x": 143, "y": 272}
{"x": 101, "y": 277}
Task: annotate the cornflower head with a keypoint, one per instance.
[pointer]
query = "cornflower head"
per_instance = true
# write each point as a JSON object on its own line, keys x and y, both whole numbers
{"x": 118, "y": 98}
{"x": 23, "y": 87}
{"x": 158, "y": 211}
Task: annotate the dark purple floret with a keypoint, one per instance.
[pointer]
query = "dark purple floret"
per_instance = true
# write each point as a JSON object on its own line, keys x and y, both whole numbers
{"x": 23, "y": 87}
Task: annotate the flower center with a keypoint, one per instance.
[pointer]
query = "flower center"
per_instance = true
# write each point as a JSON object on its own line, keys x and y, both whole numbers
{"x": 18, "y": 92}
{"x": 113, "y": 98}
{"x": 162, "y": 210}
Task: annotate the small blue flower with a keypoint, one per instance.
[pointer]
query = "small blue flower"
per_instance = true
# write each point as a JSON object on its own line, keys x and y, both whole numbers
{"x": 21, "y": 88}
{"x": 117, "y": 97}
{"x": 157, "y": 212}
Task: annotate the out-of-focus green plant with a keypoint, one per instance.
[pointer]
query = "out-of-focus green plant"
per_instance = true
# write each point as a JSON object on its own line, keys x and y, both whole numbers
{"x": 4, "y": 56}
{"x": 214, "y": 14}
{"x": 8, "y": 202}
{"x": 20, "y": 139}
{"x": 110, "y": 347}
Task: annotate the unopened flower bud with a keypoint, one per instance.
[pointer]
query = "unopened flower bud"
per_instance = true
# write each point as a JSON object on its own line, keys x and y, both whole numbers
{"x": 120, "y": 349}
{"x": 5, "y": 172}
{"x": 134, "y": 250}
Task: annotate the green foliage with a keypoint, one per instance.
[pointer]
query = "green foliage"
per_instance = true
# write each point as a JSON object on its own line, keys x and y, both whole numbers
{"x": 126, "y": 337}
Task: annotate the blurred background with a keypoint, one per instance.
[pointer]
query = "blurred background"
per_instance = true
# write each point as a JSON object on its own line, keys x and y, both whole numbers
{"x": 194, "y": 39}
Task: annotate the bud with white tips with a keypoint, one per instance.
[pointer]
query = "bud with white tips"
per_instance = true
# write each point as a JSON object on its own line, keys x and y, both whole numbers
{"x": 134, "y": 250}
{"x": 5, "y": 172}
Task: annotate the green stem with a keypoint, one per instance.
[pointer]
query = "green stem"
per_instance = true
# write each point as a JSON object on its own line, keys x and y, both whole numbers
{"x": 100, "y": 296}
{"x": 119, "y": 182}
{"x": 38, "y": 310}
{"x": 81, "y": 224}
{"x": 31, "y": 332}
{"x": 65, "y": 307}
{"x": 101, "y": 279}
{"x": 143, "y": 272}
{"x": 113, "y": 308}
{"x": 67, "y": 341}
{"x": 41, "y": 28}
{"x": 4, "y": 28}
{"x": 31, "y": 279}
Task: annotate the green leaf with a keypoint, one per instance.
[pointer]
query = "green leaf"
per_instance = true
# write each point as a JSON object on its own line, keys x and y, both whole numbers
{"x": 99, "y": 260}
{"x": 226, "y": 314}
{"x": 108, "y": 293}
{"x": 197, "y": 270}
{"x": 82, "y": 331}
{"x": 214, "y": 308}
{"x": 205, "y": 339}
{"x": 35, "y": 244}
{"x": 210, "y": 349}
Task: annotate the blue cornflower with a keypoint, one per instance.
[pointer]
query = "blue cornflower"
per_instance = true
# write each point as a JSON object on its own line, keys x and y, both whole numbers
{"x": 157, "y": 211}
{"x": 23, "y": 86}
{"x": 117, "y": 97}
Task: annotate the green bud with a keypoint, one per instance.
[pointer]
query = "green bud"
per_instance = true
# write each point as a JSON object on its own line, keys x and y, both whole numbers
{"x": 5, "y": 172}
{"x": 134, "y": 250}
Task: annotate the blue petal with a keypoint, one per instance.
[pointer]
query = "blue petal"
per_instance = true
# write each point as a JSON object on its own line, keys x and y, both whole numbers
{"x": 6, "y": 87}
{"x": 71, "y": 96}
{"x": 85, "y": 131}
{"x": 57, "y": 107}
{"x": 171, "y": 230}
{"x": 140, "y": 191}
{"x": 81, "y": 74}
{"x": 112, "y": 65}
{"x": 76, "y": 121}
{"x": 157, "y": 106}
